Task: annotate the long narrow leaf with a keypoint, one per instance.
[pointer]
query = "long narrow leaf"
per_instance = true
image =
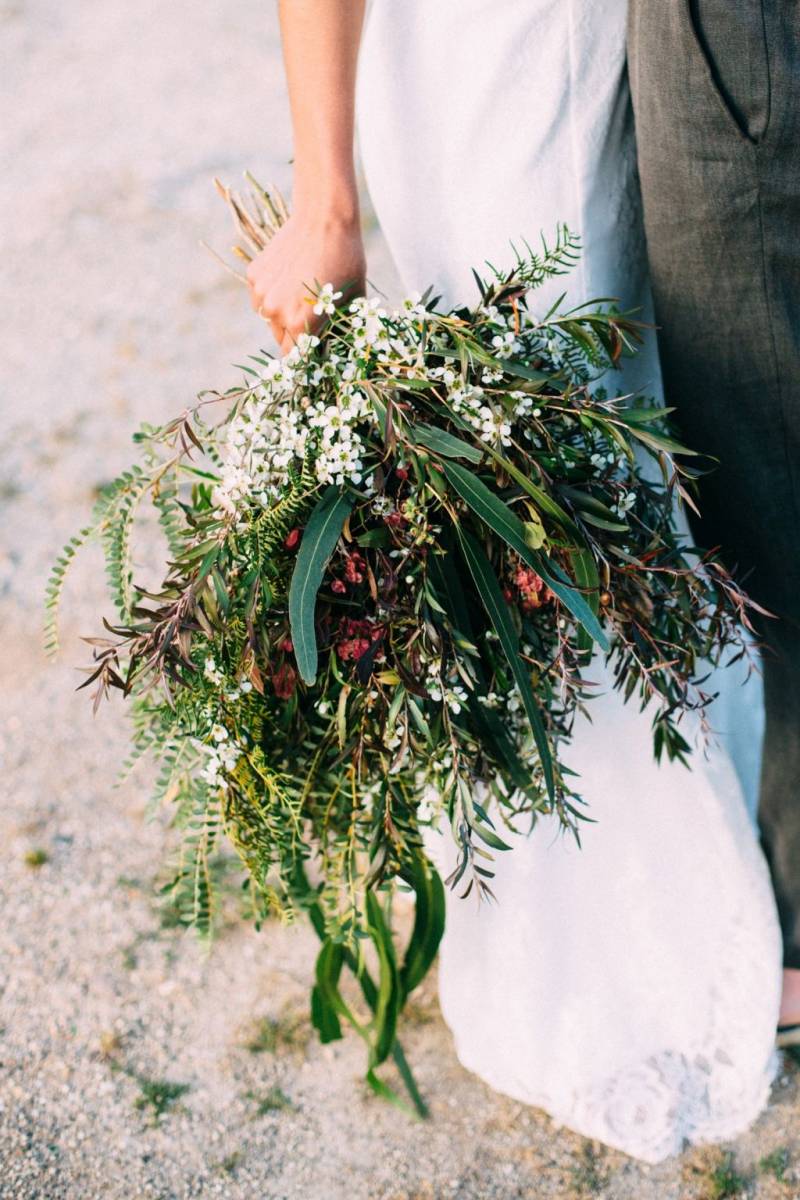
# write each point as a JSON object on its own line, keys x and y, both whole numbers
{"x": 442, "y": 442}
{"x": 319, "y": 540}
{"x": 444, "y": 576}
{"x": 389, "y": 991}
{"x": 506, "y": 524}
{"x": 499, "y": 615}
{"x": 429, "y": 917}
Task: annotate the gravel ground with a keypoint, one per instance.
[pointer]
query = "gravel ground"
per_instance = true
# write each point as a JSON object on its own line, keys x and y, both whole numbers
{"x": 132, "y": 1065}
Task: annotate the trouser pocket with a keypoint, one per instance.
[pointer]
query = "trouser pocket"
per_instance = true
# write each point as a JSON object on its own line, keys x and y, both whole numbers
{"x": 731, "y": 37}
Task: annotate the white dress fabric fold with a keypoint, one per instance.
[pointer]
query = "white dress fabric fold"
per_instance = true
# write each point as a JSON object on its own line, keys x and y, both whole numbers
{"x": 630, "y": 987}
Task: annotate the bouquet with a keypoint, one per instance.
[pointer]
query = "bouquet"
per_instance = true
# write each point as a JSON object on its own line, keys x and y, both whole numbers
{"x": 390, "y": 557}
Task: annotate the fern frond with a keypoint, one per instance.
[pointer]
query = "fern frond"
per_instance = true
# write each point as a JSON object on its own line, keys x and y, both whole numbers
{"x": 170, "y": 515}
{"x": 271, "y": 527}
{"x": 159, "y": 742}
{"x": 191, "y": 888}
{"x": 262, "y": 821}
{"x": 115, "y": 531}
{"x": 178, "y": 757}
{"x": 55, "y": 586}
{"x": 534, "y": 268}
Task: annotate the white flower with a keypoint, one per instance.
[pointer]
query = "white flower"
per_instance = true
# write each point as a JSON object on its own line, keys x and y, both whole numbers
{"x": 277, "y": 375}
{"x": 625, "y": 503}
{"x": 467, "y": 400}
{"x": 433, "y": 684}
{"x": 368, "y": 321}
{"x": 455, "y": 697}
{"x": 212, "y": 772}
{"x": 212, "y": 671}
{"x": 301, "y": 350}
{"x": 229, "y": 756}
{"x": 326, "y": 300}
{"x": 493, "y": 426}
{"x": 505, "y": 344}
{"x": 554, "y": 350}
{"x": 445, "y": 373}
{"x": 219, "y": 759}
{"x": 413, "y": 307}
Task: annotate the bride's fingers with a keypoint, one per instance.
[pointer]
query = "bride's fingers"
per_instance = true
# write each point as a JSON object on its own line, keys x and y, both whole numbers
{"x": 292, "y": 330}
{"x": 276, "y": 328}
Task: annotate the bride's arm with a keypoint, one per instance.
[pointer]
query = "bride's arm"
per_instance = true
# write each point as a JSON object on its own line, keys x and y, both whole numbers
{"x": 321, "y": 242}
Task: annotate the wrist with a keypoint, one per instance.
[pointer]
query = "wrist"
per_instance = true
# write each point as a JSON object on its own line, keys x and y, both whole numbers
{"x": 327, "y": 200}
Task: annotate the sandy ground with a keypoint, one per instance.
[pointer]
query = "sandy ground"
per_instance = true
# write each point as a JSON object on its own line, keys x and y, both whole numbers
{"x": 122, "y": 113}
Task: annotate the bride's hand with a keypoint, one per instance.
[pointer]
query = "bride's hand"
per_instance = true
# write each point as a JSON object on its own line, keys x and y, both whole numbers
{"x": 308, "y": 251}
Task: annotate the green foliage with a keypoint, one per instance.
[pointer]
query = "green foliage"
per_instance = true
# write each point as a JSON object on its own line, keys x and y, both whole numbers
{"x": 229, "y": 1164}
{"x": 36, "y": 858}
{"x": 158, "y": 1096}
{"x": 190, "y": 891}
{"x": 725, "y": 1182}
{"x": 388, "y": 564}
{"x": 319, "y": 541}
{"x": 117, "y": 511}
{"x": 503, "y": 625}
{"x": 271, "y": 527}
{"x": 170, "y": 514}
{"x": 55, "y": 586}
{"x": 273, "y": 1100}
{"x": 588, "y": 1176}
{"x": 288, "y": 1031}
{"x": 776, "y": 1163}
{"x": 498, "y": 517}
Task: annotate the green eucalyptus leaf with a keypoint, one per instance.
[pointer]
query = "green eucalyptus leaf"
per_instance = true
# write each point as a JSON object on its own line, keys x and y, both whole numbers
{"x": 429, "y": 919}
{"x": 326, "y": 1003}
{"x": 500, "y": 616}
{"x": 319, "y": 541}
{"x": 488, "y": 835}
{"x": 493, "y": 512}
{"x": 657, "y": 441}
{"x": 389, "y": 1001}
{"x": 444, "y": 443}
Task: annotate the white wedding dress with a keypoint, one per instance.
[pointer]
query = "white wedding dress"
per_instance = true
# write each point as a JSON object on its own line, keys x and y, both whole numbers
{"x": 631, "y": 987}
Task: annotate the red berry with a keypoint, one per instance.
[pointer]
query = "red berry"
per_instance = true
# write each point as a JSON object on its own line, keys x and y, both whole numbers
{"x": 284, "y": 682}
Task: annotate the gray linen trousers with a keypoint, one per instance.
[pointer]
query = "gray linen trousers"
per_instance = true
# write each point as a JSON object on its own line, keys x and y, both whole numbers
{"x": 716, "y": 95}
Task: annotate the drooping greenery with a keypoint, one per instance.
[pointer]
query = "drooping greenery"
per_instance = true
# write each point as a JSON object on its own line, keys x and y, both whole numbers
{"x": 390, "y": 557}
